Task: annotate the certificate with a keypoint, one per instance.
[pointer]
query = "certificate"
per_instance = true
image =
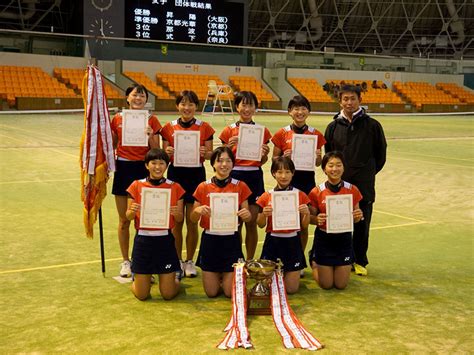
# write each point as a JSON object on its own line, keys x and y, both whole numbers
{"x": 134, "y": 124}
{"x": 339, "y": 217}
{"x": 186, "y": 148}
{"x": 303, "y": 151}
{"x": 285, "y": 215}
{"x": 249, "y": 146}
{"x": 224, "y": 208}
{"x": 155, "y": 208}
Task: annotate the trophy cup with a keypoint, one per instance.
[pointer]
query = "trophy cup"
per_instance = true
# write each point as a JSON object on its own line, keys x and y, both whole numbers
{"x": 258, "y": 298}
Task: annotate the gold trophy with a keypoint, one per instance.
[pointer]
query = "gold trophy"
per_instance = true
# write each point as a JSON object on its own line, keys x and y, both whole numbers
{"x": 258, "y": 298}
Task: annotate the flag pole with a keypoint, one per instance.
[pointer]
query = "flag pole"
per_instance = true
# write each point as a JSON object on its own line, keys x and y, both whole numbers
{"x": 101, "y": 233}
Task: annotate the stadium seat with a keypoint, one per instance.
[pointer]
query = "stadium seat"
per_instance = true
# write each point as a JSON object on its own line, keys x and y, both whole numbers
{"x": 423, "y": 93}
{"x": 457, "y": 91}
{"x": 73, "y": 77}
{"x": 311, "y": 89}
{"x": 159, "y": 91}
{"x": 248, "y": 83}
{"x": 175, "y": 83}
{"x": 20, "y": 81}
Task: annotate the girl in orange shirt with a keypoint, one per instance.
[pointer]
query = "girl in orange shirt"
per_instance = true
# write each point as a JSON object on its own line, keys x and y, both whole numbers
{"x": 130, "y": 166}
{"x": 218, "y": 252}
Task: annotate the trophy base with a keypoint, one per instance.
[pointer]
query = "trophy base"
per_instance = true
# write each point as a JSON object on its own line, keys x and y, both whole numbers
{"x": 258, "y": 305}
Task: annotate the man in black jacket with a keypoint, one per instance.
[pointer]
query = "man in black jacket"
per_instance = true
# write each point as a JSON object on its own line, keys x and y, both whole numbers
{"x": 362, "y": 141}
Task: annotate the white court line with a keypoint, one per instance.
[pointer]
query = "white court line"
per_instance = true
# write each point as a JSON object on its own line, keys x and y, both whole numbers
{"x": 399, "y": 225}
{"x": 437, "y": 156}
{"x": 433, "y": 163}
{"x": 400, "y": 216}
{"x": 36, "y": 181}
{"x": 64, "y": 153}
{"x": 431, "y": 138}
{"x": 13, "y": 138}
{"x": 197, "y": 250}
{"x": 36, "y": 133}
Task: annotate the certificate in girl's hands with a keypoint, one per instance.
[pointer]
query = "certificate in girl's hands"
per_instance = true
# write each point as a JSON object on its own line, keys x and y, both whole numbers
{"x": 285, "y": 215}
{"x": 303, "y": 152}
{"x": 249, "y": 146}
{"x": 224, "y": 208}
{"x": 134, "y": 124}
{"x": 155, "y": 208}
{"x": 339, "y": 217}
{"x": 186, "y": 148}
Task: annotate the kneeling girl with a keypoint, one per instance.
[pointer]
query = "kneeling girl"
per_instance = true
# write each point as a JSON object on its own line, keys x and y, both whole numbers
{"x": 332, "y": 254}
{"x": 154, "y": 250}
{"x": 217, "y": 252}
{"x": 284, "y": 245}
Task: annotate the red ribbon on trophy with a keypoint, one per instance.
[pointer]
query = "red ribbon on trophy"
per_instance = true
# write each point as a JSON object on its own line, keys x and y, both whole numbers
{"x": 292, "y": 332}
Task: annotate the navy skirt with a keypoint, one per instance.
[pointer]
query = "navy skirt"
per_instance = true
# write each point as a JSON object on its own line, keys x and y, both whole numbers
{"x": 218, "y": 253}
{"x": 332, "y": 249}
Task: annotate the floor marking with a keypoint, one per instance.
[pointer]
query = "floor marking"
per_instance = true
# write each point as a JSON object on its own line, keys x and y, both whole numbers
{"x": 37, "y": 181}
{"x": 429, "y": 162}
{"x": 15, "y": 139}
{"x": 55, "y": 266}
{"x": 400, "y": 216}
{"x": 431, "y": 138}
{"x": 64, "y": 153}
{"x": 184, "y": 251}
{"x": 38, "y": 146}
{"x": 437, "y": 156}
{"x": 36, "y": 133}
{"x": 399, "y": 225}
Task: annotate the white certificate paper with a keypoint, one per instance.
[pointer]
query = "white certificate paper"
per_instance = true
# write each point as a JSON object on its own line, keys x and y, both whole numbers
{"x": 249, "y": 146}
{"x": 303, "y": 152}
{"x": 285, "y": 215}
{"x": 224, "y": 208}
{"x": 134, "y": 124}
{"x": 339, "y": 214}
{"x": 186, "y": 148}
{"x": 155, "y": 208}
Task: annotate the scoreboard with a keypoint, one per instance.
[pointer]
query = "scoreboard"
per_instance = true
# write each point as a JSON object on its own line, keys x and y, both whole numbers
{"x": 206, "y": 21}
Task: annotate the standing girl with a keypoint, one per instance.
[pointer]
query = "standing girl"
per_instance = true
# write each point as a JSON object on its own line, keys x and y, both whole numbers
{"x": 154, "y": 251}
{"x": 249, "y": 171}
{"x": 298, "y": 109}
{"x": 284, "y": 245}
{"x": 187, "y": 103}
{"x": 332, "y": 254}
{"x": 218, "y": 252}
{"x": 130, "y": 166}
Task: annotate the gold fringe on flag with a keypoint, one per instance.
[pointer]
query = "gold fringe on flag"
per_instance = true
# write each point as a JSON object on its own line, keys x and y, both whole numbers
{"x": 96, "y": 148}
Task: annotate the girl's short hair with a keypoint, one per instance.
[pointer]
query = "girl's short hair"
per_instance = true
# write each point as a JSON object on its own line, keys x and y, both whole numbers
{"x": 246, "y": 97}
{"x": 141, "y": 89}
{"x": 157, "y": 154}
{"x": 330, "y": 155}
{"x": 298, "y": 101}
{"x": 282, "y": 163}
{"x": 216, "y": 154}
{"x": 187, "y": 94}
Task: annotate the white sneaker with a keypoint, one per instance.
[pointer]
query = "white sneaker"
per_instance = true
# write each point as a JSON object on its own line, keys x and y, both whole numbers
{"x": 190, "y": 269}
{"x": 125, "y": 269}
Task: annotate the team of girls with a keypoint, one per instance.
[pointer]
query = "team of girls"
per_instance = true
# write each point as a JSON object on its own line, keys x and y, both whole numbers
{"x": 190, "y": 200}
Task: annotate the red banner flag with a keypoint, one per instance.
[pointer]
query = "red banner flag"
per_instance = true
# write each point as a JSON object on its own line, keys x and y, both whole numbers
{"x": 96, "y": 149}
